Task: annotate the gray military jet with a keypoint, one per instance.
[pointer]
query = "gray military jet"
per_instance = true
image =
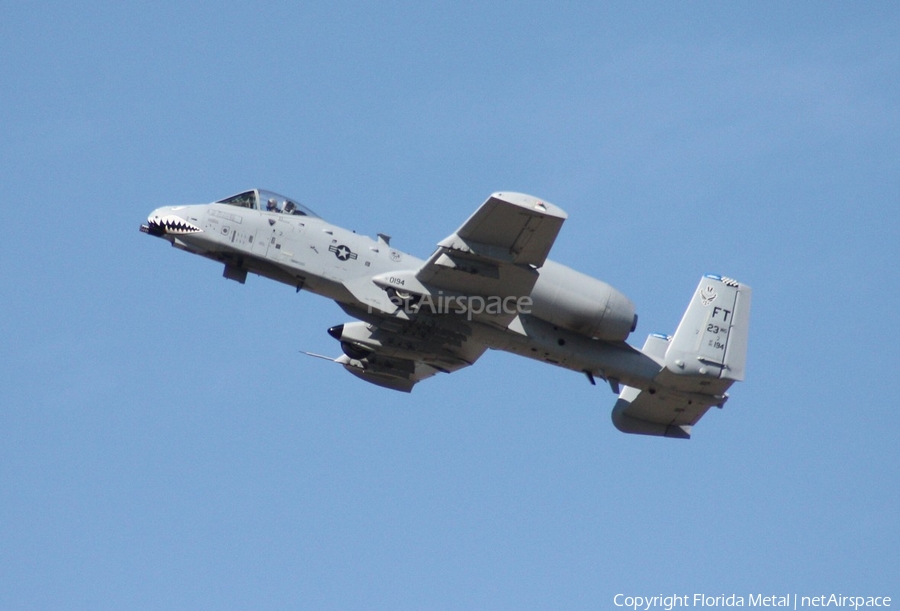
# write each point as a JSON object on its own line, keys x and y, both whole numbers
{"x": 488, "y": 285}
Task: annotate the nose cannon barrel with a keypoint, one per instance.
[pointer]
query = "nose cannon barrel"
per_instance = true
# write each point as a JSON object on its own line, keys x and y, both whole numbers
{"x": 153, "y": 229}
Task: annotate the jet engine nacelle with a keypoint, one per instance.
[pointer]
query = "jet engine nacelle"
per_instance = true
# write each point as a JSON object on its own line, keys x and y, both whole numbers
{"x": 579, "y": 303}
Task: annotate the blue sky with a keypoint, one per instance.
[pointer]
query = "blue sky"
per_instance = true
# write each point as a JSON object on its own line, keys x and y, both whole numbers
{"x": 164, "y": 444}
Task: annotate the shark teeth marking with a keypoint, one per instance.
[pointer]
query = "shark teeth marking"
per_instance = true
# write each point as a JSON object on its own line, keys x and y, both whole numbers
{"x": 172, "y": 224}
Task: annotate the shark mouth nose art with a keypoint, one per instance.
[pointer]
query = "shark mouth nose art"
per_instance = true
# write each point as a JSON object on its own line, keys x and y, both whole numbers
{"x": 169, "y": 224}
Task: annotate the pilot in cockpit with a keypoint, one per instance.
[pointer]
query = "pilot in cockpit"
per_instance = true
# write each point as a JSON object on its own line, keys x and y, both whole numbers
{"x": 289, "y": 207}
{"x": 272, "y": 205}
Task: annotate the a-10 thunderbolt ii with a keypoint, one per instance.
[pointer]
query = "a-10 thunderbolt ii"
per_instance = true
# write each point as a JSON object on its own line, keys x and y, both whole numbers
{"x": 488, "y": 285}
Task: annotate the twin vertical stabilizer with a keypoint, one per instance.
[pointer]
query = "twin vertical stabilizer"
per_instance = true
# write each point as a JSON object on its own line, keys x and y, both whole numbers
{"x": 711, "y": 339}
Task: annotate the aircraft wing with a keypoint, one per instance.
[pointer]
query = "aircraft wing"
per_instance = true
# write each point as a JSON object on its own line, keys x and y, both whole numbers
{"x": 497, "y": 250}
{"x": 388, "y": 372}
{"x": 398, "y": 354}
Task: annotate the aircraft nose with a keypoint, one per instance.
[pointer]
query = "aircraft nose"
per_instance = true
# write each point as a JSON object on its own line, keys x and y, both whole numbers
{"x": 167, "y": 220}
{"x": 154, "y": 225}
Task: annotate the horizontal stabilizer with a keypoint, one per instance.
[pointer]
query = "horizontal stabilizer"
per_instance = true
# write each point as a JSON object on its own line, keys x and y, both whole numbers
{"x": 660, "y": 413}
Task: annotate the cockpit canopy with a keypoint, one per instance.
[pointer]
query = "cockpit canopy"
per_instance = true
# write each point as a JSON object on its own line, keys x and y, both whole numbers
{"x": 259, "y": 199}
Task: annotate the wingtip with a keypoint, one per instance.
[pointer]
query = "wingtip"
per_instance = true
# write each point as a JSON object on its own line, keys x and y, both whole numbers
{"x": 531, "y": 202}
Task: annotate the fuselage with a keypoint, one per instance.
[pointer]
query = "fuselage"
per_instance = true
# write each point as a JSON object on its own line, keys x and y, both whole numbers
{"x": 304, "y": 251}
{"x": 573, "y": 321}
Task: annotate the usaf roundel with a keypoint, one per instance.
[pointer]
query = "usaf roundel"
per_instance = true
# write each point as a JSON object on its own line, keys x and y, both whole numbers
{"x": 342, "y": 252}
